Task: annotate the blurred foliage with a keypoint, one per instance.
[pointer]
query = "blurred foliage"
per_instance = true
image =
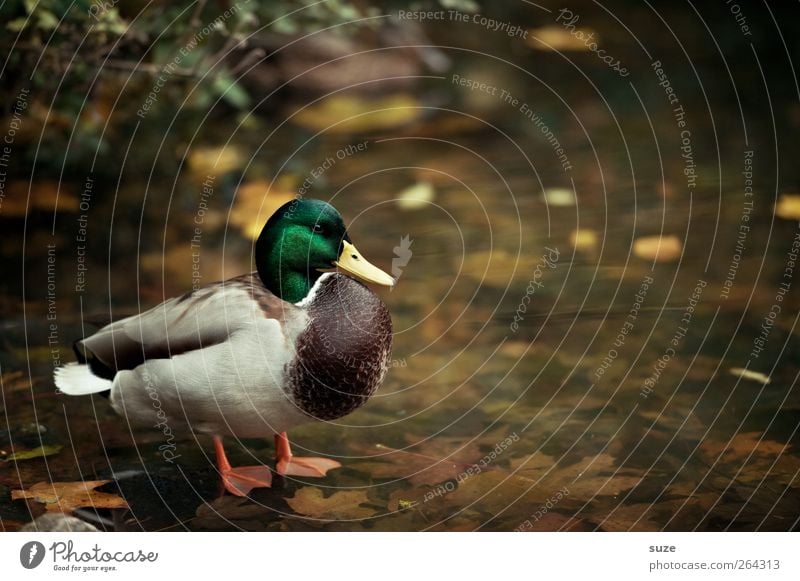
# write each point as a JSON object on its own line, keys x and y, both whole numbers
{"x": 84, "y": 58}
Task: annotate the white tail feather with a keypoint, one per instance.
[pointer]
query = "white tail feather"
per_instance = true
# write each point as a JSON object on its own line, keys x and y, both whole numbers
{"x": 78, "y": 379}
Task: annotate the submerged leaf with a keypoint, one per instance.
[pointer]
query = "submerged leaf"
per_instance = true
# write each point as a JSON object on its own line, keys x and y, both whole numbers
{"x": 38, "y": 452}
{"x": 345, "y": 504}
{"x": 67, "y": 496}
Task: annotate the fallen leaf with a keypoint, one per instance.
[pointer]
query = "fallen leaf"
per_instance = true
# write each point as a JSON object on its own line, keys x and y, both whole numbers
{"x": 67, "y": 496}
{"x": 583, "y": 240}
{"x": 15, "y": 381}
{"x": 341, "y": 114}
{"x": 634, "y": 517}
{"x": 256, "y": 201}
{"x": 344, "y": 504}
{"x": 743, "y": 445}
{"x": 749, "y": 374}
{"x": 788, "y": 207}
{"x": 658, "y": 248}
{"x": 417, "y": 196}
{"x": 211, "y": 160}
{"x": 440, "y": 459}
{"x": 559, "y": 197}
{"x": 232, "y": 512}
{"x": 493, "y": 267}
{"x": 38, "y": 452}
{"x": 552, "y": 38}
{"x": 593, "y": 476}
{"x": 44, "y": 195}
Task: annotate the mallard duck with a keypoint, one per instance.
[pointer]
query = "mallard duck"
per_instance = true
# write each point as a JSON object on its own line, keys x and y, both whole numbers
{"x": 295, "y": 342}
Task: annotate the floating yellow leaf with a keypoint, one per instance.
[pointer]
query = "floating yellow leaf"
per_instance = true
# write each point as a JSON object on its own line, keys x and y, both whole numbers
{"x": 553, "y": 38}
{"x": 417, "y": 196}
{"x": 658, "y": 248}
{"x": 345, "y": 504}
{"x": 788, "y": 207}
{"x": 256, "y": 201}
{"x": 37, "y": 452}
{"x": 204, "y": 161}
{"x": 67, "y": 496}
{"x": 583, "y": 240}
{"x": 559, "y": 197}
{"x": 748, "y": 374}
{"x": 353, "y": 114}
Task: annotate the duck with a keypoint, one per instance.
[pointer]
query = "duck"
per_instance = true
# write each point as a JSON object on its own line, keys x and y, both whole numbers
{"x": 299, "y": 340}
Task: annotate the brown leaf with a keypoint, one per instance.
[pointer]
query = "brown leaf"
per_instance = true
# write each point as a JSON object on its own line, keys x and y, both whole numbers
{"x": 232, "y": 512}
{"x": 592, "y": 476}
{"x": 741, "y": 446}
{"x": 67, "y": 496}
{"x": 15, "y": 381}
{"x": 344, "y": 504}
{"x": 44, "y": 195}
{"x": 435, "y": 460}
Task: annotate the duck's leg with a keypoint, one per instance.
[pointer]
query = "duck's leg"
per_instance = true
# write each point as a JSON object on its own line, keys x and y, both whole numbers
{"x": 240, "y": 481}
{"x": 296, "y": 465}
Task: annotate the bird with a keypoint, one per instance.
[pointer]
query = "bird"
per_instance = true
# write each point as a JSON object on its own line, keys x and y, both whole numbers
{"x": 299, "y": 340}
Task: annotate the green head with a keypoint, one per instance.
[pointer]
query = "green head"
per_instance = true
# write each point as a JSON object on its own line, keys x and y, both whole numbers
{"x": 301, "y": 240}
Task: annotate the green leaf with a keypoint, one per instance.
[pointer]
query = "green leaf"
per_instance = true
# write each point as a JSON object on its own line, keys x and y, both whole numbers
{"x": 38, "y": 452}
{"x": 17, "y": 24}
{"x": 231, "y": 91}
{"x": 47, "y": 20}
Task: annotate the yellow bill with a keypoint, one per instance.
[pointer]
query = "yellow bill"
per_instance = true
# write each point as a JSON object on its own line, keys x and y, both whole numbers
{"x": 351, "y": 261}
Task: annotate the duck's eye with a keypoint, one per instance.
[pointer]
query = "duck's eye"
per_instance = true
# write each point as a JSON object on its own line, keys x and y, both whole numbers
{"x": 318, "y": 229}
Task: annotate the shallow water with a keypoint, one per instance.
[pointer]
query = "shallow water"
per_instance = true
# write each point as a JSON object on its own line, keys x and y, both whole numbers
{"x": 536, "y": 383}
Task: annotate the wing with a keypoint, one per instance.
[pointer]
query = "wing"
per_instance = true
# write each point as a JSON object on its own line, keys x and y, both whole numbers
{"x": 200, "y": 319}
